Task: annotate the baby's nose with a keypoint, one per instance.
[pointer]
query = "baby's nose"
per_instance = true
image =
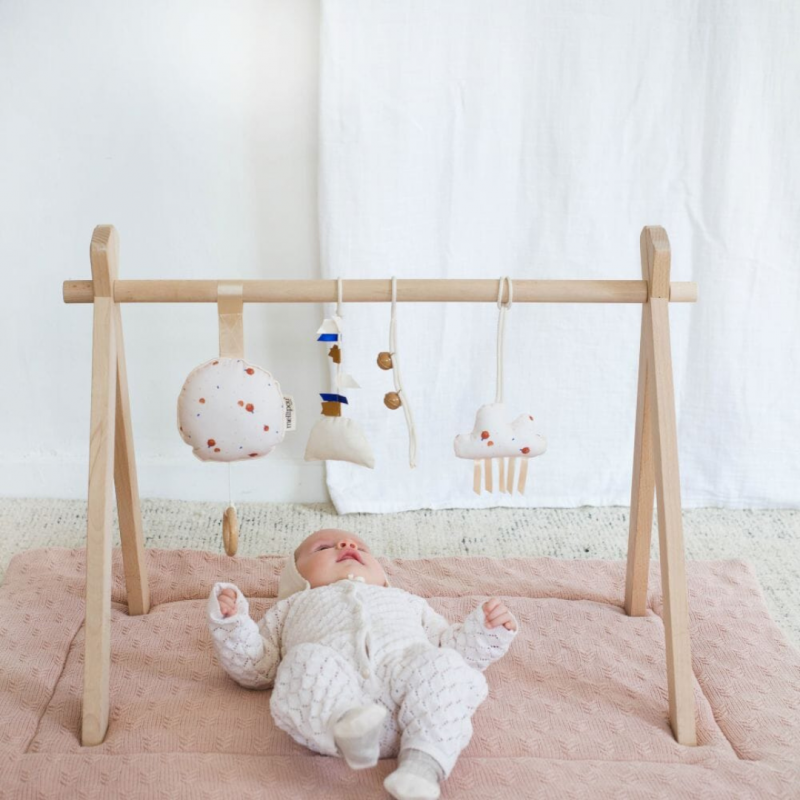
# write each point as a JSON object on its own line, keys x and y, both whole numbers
{"x": 343, "y": 543}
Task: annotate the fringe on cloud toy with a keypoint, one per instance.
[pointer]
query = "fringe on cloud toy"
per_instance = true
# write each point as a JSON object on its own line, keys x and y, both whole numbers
{"x": 493, "y": 438}
{"x": 334, "y": 437}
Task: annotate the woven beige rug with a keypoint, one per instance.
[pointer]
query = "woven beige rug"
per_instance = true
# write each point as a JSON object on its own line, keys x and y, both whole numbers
{"x": 768, "y": 539}
{"x": 578, "y": 707}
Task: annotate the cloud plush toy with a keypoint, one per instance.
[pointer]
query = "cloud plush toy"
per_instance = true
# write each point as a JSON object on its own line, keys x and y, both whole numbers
{"x": 495, "y": 438}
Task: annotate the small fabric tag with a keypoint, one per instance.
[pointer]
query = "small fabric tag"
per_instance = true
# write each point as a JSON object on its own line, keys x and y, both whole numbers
{"x": 291, "y": 421}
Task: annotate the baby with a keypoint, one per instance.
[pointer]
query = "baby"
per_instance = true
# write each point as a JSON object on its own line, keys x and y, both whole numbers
{"x": 359, "y": 669}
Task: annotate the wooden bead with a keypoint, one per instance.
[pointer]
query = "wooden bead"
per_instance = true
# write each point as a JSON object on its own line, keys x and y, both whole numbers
{"x": 230, "y": 531}
{"x": 392, "y": 400}
{"x": 385, "y": 360}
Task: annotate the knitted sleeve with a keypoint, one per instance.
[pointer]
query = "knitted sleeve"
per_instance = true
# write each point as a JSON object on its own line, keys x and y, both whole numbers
{"x": 249, "y": 652}
{"x": 478, "y": 645}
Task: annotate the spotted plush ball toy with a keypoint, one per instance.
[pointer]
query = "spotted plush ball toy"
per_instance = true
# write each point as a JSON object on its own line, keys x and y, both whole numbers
{"x": 229, "y": 410}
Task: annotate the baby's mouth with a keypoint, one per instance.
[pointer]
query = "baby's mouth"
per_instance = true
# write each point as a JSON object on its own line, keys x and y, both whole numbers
{"x": 349, "y": 554}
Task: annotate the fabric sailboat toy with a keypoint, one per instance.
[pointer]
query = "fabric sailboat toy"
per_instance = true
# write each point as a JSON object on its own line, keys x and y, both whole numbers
{"x": 334, "y": 437}
{"x": 493, "y": 437}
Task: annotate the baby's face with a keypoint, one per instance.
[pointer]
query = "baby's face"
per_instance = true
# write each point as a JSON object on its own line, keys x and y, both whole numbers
{"x": 329, "y": 555}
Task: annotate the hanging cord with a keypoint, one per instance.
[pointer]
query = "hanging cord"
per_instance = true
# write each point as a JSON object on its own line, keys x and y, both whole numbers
{"x": 338, "y": 320}
{"x": 230, "y": 495}
{"x": 412, "y": 433}
{"x": 501, "y": 327}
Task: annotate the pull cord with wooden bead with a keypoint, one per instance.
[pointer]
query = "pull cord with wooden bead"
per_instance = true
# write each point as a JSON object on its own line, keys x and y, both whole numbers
{"x": 230, "y": 409}
{"x": 230, "y": 308}
{"x": 397, "y": 398}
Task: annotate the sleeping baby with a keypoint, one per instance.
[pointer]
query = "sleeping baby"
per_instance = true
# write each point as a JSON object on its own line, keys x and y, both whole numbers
{"x": 359, "y": 669}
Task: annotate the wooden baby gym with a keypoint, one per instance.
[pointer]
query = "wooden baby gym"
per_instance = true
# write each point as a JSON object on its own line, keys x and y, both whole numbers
{"x": 263, "y": 422}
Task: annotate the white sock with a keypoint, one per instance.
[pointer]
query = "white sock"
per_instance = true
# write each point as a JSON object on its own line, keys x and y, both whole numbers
{"x": 357, "y": 735}
{"x": 417, "y": 777}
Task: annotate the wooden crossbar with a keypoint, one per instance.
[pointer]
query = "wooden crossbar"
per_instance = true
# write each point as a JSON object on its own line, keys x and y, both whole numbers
{"x": 412, "y": 290}
{"x": 112, "y": 461}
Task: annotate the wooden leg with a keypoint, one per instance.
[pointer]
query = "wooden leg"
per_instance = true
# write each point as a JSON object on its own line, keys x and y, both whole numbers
{"x": 127, "y": 486}
{"x": 97, "y": 660}
{"x": 670, "y": 530}
{"x": 643, "y": 486}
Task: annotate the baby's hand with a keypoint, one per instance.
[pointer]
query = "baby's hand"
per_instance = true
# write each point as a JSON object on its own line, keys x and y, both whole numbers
{"x": 497, "y": 614}
{"x": 227, "y": 602}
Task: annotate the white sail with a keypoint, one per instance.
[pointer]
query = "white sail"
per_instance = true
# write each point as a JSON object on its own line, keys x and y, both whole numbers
{"x": 346, "y": 381}
{"x": 330, "y": 325}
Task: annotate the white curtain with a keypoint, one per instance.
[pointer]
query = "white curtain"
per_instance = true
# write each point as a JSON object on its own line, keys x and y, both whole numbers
{"x": 477, "y": 138}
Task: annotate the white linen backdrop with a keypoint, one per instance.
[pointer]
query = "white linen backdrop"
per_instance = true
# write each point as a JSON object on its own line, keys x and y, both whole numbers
{"x": 477, "y": 138}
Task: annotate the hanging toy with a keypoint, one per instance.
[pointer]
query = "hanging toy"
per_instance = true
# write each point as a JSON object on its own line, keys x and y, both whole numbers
{"x": 334, "y": 437}
{"x": 495, "y": 438}
{"x": 230, "y": 410}
{"x": 396, "y": 399}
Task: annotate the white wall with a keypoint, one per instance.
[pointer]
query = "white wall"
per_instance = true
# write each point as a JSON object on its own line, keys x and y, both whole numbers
{"x": 191, "y": 127}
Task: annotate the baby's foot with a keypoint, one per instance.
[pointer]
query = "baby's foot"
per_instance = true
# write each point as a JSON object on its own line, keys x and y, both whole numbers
{"x": 417, "y": 777}
{"x": 357, "y": 735}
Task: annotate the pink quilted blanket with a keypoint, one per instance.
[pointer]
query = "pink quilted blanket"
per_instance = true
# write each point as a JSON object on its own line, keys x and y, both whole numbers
{"x": 577, "y": 709}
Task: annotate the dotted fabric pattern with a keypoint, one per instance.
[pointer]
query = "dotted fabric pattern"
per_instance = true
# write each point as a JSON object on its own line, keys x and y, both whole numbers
{"x": 577, "y": 708}
{"x": 493, "y": 436}
{"x": 349, "y": 644}
{"x": 230, "y": 410}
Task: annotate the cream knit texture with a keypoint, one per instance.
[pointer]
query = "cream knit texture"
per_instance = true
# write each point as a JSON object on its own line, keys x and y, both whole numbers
{"x": 357, "y": 735}
{"x": 330, "y": 649}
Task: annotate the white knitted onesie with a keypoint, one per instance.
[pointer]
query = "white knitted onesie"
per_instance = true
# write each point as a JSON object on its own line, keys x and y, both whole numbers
{"x": 329, "y": 649}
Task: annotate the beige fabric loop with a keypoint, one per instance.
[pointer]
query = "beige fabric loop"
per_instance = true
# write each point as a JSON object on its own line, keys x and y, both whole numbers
{"x": 230, "y": 307}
